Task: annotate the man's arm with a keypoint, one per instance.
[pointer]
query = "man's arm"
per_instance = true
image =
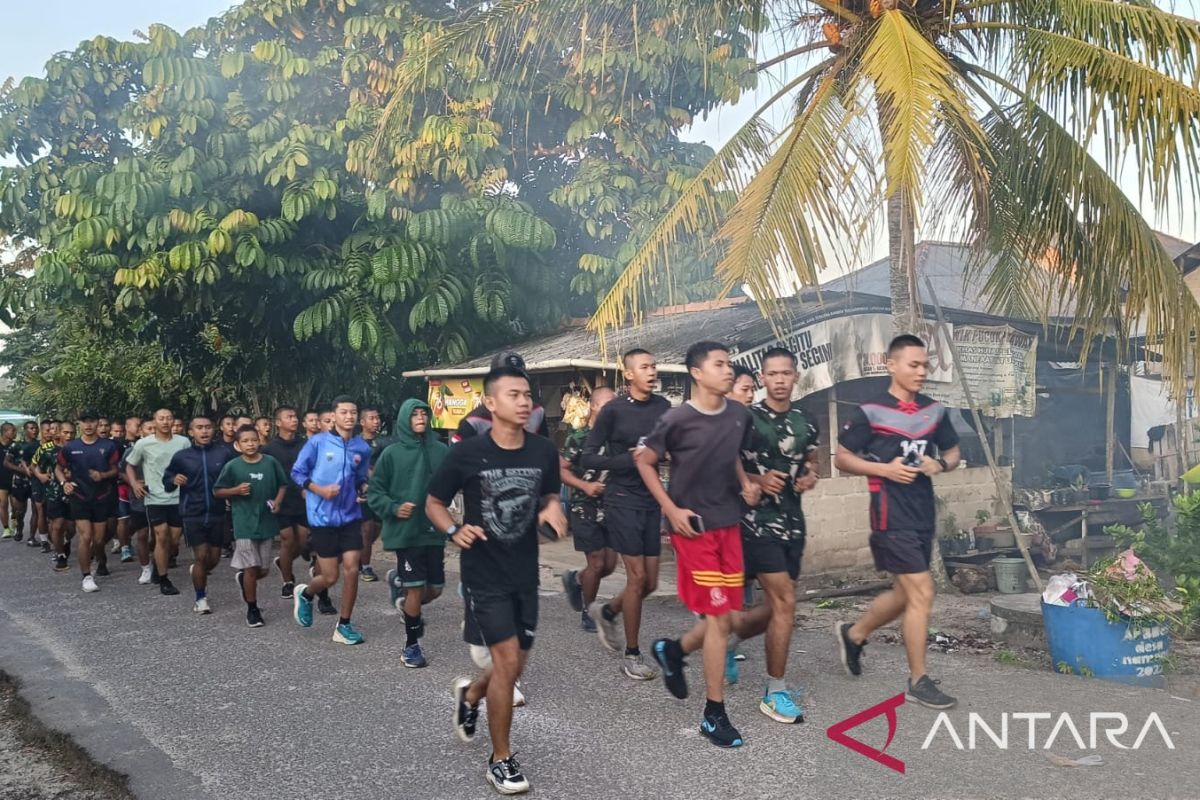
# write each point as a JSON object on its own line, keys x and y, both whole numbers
{"x": 855, "y": 464}
{"x": 597, "y": 440}
{"x": 678, "y": 518}
{"x": 174, "y": 469}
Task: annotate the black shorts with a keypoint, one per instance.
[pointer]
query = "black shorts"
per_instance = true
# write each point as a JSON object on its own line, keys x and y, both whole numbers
{"x": 292, "y": 520}
{"x": 38, "y": 492}
{"x": 590, "y": 536}
{"x": 332, "y": 542}
{"x": 58, "y": 509}
{"x": 22, "y": 490}
{"x": 767, "y": 554}
{"x": 421, "y": 566}
{"x": 137, "y": 519}
{"x": 197, "y": 532}
{"x": 492, "y": 616}
{"x": 164, "y": 515}
{"x": 94, "y": 511}
{"x": 633, "y": 531}
{"x": 902, "y": 552}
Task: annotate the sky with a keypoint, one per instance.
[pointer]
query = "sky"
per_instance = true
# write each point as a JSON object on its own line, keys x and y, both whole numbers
{"x": 34, "y": 31}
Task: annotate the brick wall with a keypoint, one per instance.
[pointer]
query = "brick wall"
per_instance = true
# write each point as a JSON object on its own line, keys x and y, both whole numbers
{"x": 836, "y": 512}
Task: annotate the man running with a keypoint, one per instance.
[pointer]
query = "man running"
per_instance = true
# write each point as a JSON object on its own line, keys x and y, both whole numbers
{"x": 139, "y": 524}
{"x": 704, "y": 439}
{"x": 743, "y": 386}
{"x": 479, "y": 420}
{"x": 333, "y": 469}
{"x": 125, "y": 433}
{"x": 293, "y": 522}
{"x": 312, "y": 423}
{"x": 46, "y": 473}
{"x": 397, "y": 494}
{"x": 8, "y": 436}
{"x": 228, "y": 424}
{"x": 370, "y": 422}
{"x": 782, "y": 461}
{"x": 254, "y": 484}
{"x": 39, "y": 480}
{"x": 631, "y": 517}
{"x": 91, "y": 489}
{"x": 510, "y": 485}
{"x": 194, "y": 471}
{"x": 152, "y": 455}
{"x": 587, "y": 518}
{"x": 104, "y": 428}
{"x": 327, "y": 419}
{"x": 899, "y": 441}
{"x": 23, "y": 455}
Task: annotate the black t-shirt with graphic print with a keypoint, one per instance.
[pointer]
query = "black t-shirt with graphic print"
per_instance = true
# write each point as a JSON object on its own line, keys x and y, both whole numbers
{"x": 502, "y": 490}
{"x": 888, "y": 428}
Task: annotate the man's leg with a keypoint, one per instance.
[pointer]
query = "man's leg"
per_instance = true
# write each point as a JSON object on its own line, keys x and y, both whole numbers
{"x": 370, "y": 533}
{"x": 327, "y": 576}
{"x": 600, "y": 564}
{"x": 781, "y": 602}
{"x": 641, "y": 579}
{"x": 200, "y": 569}
{"x": 123, "y": 535}
{"x": 884, "y": 609}
{"x": 288, "y": 549}
{"x": 496, "y": 684}
{"x": 84, "y": 546}
{"x": 4, "y": 518}
{"x": 350, "y": 565}
{"x": 162, "y": 548}
{"x": 919, "y": 591}
{"x": 18, "y": 506}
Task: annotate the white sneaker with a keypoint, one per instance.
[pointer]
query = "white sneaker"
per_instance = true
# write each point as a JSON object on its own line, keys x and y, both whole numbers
{"x": 89, "y": 584}
{"x": 518, "y": 697}
{"x": 116, "y": 546}
{"x": 201, "y": 606}
{"x": 144, "y": 578}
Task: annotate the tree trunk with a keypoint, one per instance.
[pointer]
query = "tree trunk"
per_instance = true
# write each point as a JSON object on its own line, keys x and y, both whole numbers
{"x": 902, "y": 264}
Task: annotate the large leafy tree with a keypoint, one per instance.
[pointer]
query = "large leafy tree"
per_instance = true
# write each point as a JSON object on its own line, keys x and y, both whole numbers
{"x": 982, "y": 115}
{"x": 221, "y": 198}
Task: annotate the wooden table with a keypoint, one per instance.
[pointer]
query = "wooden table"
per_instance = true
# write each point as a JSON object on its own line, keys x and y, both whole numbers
{"x": 1114, "y": 511}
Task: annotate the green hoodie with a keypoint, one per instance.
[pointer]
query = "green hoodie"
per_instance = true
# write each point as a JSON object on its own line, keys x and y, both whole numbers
{"x": 402, "y": 476}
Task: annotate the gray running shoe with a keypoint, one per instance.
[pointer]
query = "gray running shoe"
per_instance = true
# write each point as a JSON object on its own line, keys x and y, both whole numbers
{"x": 635, "y": 667}
{"x": 927, "y": 693}
{"x": 610, "y": 633}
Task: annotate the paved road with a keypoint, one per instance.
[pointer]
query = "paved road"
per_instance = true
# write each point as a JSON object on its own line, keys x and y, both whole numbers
{"x": 202, "y": 707}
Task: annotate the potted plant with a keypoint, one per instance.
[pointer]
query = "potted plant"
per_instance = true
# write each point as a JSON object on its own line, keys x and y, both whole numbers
{"x": 946, "y": 537}
{"x": 1003, "y": 535}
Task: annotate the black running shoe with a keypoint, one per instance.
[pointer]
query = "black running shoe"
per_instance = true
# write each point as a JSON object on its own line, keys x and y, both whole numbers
{"x": 927, "y": 693}
{"x": 60, "y": 563}
{"x": 466, "y": 716}
{"x": 155, "y": 578}
{"x": 254, "y": 618}
{"x": 102, "y": 570}
{"x": 851, "y": 651}
{"x": 33, "y": 542}
{"x": 166, "y": 587}
{"x": 18, "y": 536}
{"x": 288, "y": 590}
{"x": 572, "y": 589}
{"x": 45, "y": 547}
{"x": 720, "y": 731}
{"x": 506, "y": 777}
{"x": 325, "y": 605}
{"x": 67, "y": 548}
{"x": 670, "y": 658}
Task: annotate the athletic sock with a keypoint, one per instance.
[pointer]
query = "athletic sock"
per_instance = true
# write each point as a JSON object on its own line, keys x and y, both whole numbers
{"x": 343, "y": 620}
{"x": 307, "y": 595}
{"x": 608, "y": 614}
{"x": 633, "y": 651}
{"x": 776, "y": 685}
{"x": 201, "y": 594}
{"x": 412, "y": 630}
{"x": 714, "y": 708}
{"x": 324, "y": 595}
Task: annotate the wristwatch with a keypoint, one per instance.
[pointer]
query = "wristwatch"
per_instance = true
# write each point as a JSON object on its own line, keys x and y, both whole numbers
{"x": 945, "y": 466}
{"x": 453, "y": 529}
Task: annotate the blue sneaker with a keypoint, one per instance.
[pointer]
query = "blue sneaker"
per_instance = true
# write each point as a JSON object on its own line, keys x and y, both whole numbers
{"x": 413, "y": 657}
{"x": 780, "y": 707}
{"x": 345, "y": 634}
{"x": 302, "y": 607}
{"x": 397, "y": 592}
{"x": 731, "y": 667}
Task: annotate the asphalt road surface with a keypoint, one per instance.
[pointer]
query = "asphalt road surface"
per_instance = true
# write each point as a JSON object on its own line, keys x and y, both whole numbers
{"x": 203, "y": 707}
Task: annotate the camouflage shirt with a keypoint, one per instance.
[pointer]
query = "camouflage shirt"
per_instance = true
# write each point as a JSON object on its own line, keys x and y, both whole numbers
{"x": 582, "y": 505}
{"x": 781, "y": 442}
{"x": 46, "y": 460}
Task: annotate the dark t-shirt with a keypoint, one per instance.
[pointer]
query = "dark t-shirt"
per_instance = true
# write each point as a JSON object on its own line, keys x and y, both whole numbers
{"x": 705, "y": 450}
{"x": 886, "y": 429}
{"x": 285, "y": 452}
{"x": 80, "y": 457}
{"x": 502, "y": 492}
{"x": 622, "y": 426}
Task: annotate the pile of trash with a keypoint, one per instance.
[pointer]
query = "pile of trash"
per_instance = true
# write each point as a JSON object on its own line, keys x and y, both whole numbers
{"x": 1125, "y": 587}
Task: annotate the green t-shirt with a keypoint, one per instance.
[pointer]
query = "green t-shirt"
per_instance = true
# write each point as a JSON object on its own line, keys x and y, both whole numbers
{"x": 154, "y": 456}
{"x": 252, "y": 519}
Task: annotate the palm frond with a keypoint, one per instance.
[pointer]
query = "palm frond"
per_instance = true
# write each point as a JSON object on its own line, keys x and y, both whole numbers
{"x": 916, "y": 88}
{"x": 807, "y": 198}
{"x": 1056, "y": 208}
{"x": 698, "y": 206}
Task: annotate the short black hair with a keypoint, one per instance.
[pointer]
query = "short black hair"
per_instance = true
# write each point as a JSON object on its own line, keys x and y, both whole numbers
{"x": 247, "y": 429}
{"x": 637, "y": 351}
{"x": 7, "y": 425}
{"x": 261, "y": 418}
{"x": 739, "y": 371}
{"x": 325, "y": 408}
{"x": 224, "y": 416}
{"x": 48, "y": 422}
{"x": 195, "y": 417}
{"x": 306, "y": 413}
{"x": 490, "y": 379}
{"x": 280, "y": 409}
{"x": 780, "y": 352}
{"x": 697, "y": 354}
{"x": 370, "y": 407}
{"x": 343, "y": 398}
{"x": 902, "y": 341}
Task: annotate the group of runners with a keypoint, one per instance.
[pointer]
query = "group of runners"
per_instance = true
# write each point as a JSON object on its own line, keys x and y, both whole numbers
{"x": 732, "y": 509}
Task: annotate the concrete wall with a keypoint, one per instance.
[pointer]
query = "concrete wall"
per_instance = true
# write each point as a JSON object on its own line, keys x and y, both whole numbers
{"x": 836, "y": 512}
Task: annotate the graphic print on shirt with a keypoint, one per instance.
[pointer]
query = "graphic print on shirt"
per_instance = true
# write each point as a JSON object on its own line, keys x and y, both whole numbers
{"x": 510, "y": 499}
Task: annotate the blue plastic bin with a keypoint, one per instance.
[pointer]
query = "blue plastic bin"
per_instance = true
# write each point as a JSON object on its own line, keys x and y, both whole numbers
{"x": 1083, "y": 639}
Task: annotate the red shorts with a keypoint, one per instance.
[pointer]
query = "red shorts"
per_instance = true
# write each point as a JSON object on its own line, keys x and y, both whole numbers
{"x": 710, "y": 570}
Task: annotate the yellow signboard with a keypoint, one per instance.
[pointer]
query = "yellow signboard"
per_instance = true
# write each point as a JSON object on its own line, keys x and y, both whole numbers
{"x": 452, "y": 399}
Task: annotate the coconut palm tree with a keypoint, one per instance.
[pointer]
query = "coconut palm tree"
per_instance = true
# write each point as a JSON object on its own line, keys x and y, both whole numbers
{"x": 1004, "y": 120}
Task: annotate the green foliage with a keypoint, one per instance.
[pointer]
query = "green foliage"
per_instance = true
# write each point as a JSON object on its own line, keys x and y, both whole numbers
{"x": 1174, "y": 554}
{"x": 228, "y": 185}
